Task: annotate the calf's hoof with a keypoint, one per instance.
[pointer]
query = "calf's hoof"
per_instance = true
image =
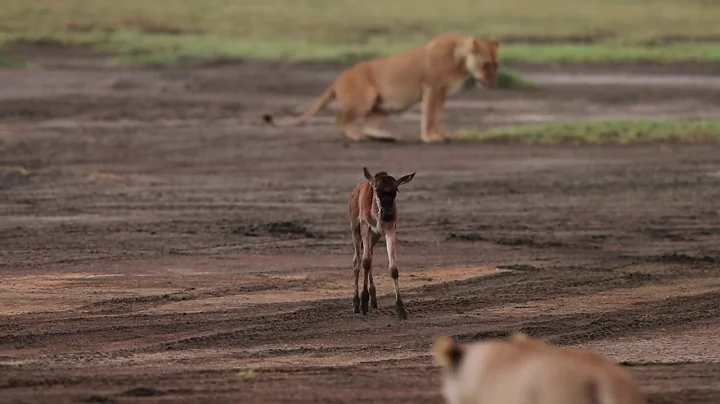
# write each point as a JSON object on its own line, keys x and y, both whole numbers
{"x": 400, "y": 309}
{"x": 365, "y": 299}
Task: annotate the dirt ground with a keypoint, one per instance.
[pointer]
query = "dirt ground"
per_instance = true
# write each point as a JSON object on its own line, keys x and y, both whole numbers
{"x": 159, "y": 244}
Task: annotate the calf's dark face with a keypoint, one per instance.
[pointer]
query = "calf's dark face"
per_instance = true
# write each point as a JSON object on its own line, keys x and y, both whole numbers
{"x": 385, "y": 191}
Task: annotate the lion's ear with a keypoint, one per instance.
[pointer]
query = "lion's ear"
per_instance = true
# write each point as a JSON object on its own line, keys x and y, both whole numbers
{"x": 465, "y": 47}
{"x": 447, "y": 353}
{"x": 494, "y": 43}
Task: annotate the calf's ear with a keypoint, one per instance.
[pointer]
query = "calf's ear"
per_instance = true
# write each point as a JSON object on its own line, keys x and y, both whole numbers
{"x": 405, "y": 179}
{"x": 367, "y": 173}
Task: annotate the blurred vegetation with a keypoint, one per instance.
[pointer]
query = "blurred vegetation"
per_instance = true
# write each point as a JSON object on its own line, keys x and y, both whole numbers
{"x": 162, "y": 33}
{"x": 602, "y": 132}
{"x": 10, "y": 61}
{"x": 350, "y": 21}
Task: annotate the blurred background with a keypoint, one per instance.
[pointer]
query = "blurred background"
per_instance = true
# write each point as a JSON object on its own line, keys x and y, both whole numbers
{"x": 159, "y": 240}
{"x": 545, "y": 32}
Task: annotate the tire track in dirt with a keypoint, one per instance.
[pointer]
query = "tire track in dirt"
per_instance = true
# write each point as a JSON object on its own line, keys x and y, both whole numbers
{"x": 311, "y": 321}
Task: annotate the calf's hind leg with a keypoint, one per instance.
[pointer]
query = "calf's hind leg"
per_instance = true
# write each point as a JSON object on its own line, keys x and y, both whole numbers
{"x": 357, "y": 246}
{"x": 367, "y": 240}
{"x": 373, "y": 294}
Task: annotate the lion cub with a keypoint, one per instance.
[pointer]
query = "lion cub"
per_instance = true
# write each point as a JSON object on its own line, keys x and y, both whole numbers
{"x": 524, "y": 370}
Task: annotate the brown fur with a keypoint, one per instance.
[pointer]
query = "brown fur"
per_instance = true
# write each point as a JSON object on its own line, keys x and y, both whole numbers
{"x": 524, "y": 370}
{"x": 368, "y": 201}
{"x": 378, "y": 88}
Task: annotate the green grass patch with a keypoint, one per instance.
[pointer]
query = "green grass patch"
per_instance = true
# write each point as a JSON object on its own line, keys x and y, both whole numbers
{"x": 602, "y": 132}
{"x": 163, "y": 50}
{"x": 135, "y": 48}
{"x": 7, "y": 61}
{"x": 142, "y": 49}
{"x": 505, "y": 80}
{"x": 609, "y": 53}
{"x": 509, "y": 80}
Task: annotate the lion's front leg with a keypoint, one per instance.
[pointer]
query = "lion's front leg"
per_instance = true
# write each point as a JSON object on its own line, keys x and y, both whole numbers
{"x": 433, "y": 103}
{"x": 438, "y": 109}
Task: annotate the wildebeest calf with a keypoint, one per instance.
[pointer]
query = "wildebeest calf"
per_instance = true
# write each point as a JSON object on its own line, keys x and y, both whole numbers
{"x": 373, "y": 213}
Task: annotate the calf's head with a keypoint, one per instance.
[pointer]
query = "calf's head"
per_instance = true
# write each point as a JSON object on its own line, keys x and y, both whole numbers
{"x": 385, "y": 188}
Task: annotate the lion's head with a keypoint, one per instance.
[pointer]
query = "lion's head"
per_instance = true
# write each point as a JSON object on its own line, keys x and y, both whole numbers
{"x": 480, "y": 58}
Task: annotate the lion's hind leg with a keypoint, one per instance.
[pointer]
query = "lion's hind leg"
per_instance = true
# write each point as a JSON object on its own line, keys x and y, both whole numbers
{"x": 357, "y": 97}
{"x": 345, "y": 120}
{"x": 372, "y": 127}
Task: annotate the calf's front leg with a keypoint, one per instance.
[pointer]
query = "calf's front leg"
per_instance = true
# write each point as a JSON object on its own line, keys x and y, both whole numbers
{"x": 391, "y": 242}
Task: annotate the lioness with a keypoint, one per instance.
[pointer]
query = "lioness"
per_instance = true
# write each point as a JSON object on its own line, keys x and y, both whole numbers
{"x": 378, "y": 88}
{"x": 523, "y": 370}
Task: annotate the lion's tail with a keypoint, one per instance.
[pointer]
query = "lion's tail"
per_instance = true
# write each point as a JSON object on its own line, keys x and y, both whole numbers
{"x": 321, "y": 102}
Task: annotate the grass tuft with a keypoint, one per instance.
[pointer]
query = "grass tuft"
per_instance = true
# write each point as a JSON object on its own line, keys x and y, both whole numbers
{"x": 13, "y": 171}
{"x": 602, "y": 132}
{"x": 506, "y": 79}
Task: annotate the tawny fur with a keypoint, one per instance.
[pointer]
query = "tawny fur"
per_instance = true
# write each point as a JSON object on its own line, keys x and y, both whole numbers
{"x": 524, "y": 370}
{"x": 377, "y": 88}
{"x": 367, "y": 225}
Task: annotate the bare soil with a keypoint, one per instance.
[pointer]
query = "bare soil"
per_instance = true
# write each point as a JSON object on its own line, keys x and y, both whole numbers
{"x": 159, "y": 244}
